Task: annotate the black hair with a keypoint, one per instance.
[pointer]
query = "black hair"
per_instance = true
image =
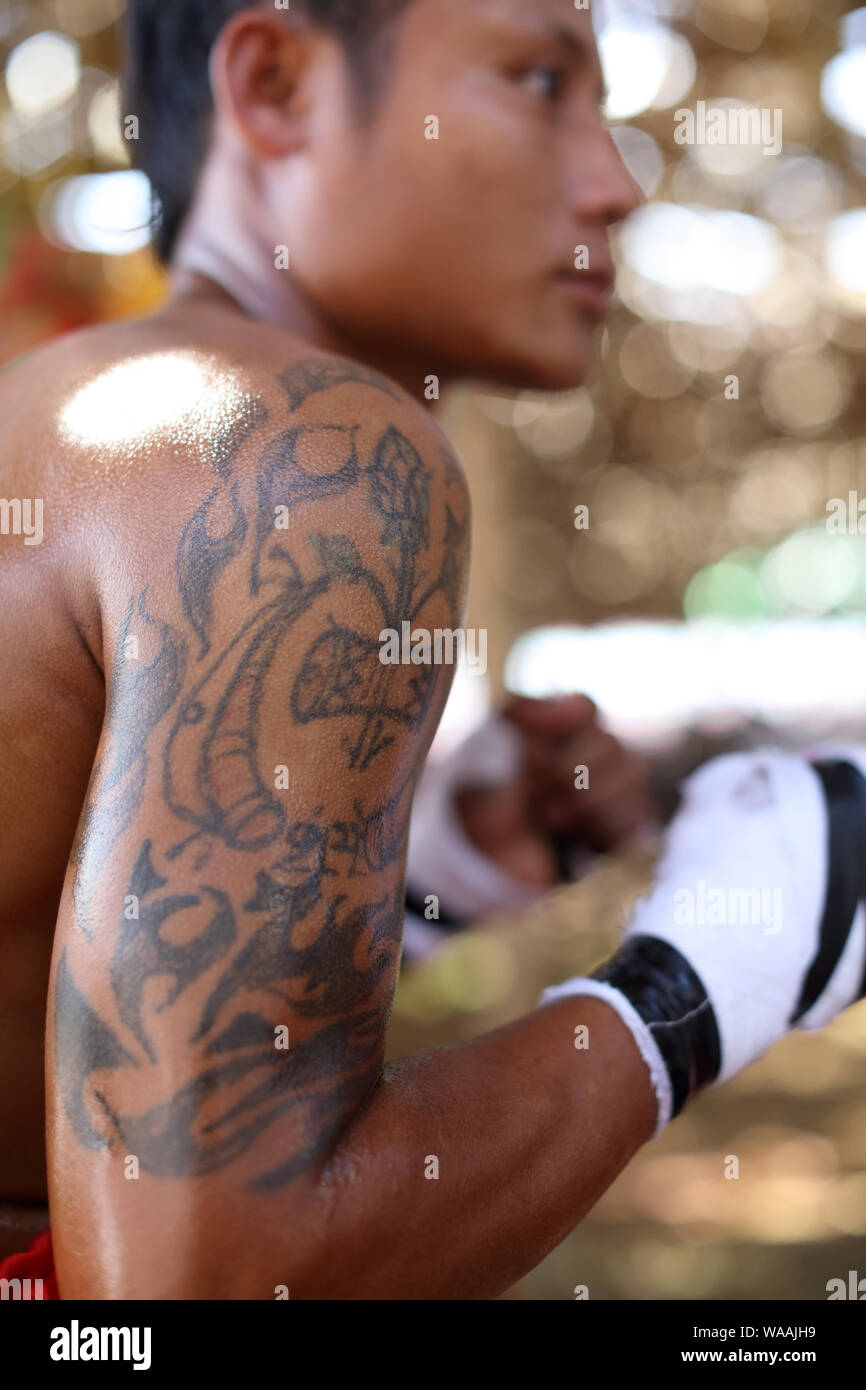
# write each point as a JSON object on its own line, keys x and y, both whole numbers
{"x": 167, "y": 84}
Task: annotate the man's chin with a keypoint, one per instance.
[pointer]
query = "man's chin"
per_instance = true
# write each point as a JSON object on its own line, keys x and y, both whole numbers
{"x": 546, "y": 372}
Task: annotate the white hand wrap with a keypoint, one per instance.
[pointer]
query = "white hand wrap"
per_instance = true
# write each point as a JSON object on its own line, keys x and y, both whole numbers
{"x": 755, "y": 924}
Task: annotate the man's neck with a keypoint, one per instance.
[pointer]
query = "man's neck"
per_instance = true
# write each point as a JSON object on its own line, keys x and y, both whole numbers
{"x": 201, "y": 271}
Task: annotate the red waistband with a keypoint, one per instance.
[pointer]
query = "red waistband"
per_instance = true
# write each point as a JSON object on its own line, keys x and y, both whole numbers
{"x": 35, "y": 1271}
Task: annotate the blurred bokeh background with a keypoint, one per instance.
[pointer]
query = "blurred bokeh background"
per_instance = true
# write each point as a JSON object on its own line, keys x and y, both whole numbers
{"x": 717, "y": 597}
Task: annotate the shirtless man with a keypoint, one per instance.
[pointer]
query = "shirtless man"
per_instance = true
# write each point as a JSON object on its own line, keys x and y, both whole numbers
{"x": 239, "y": 495}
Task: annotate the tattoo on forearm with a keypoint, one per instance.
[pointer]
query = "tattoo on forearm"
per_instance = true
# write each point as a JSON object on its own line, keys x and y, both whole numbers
{"x": 284, "y": 939}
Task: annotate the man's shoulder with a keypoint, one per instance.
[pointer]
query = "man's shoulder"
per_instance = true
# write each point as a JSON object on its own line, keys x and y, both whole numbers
{"x": 322, "y": 444}
{"x": 326, "y": 434}
{"x": 139, "y": 420}
{"x": 313, "y": 389}
{"x": 285, "y": 473}
{"x": 133, "y": 393}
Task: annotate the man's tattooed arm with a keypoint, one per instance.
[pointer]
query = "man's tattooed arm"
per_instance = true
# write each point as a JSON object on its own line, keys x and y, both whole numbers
{"x": 229, "y": 943}
{"x": 220, "y": 1124}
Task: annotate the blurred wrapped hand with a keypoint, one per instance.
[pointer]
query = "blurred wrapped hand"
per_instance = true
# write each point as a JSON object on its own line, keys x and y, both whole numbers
{"x": 577, "y": 786}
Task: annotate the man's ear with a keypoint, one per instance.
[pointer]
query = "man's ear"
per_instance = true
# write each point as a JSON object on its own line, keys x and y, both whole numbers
{"x": 256, "y": 71}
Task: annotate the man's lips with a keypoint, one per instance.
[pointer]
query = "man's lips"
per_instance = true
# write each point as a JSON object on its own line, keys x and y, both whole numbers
{"x": 592, "y": 289}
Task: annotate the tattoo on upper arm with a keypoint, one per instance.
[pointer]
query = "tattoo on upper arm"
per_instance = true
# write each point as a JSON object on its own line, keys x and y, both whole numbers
{"x": 305, "y": 379}
{"x": 286, "y": 937}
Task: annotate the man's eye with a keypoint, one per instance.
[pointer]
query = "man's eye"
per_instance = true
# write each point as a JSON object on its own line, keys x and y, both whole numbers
{"x": 545, "y": 81}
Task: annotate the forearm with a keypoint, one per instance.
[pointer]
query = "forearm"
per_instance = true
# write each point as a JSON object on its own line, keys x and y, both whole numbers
{"x": 526, "y": 1131}
{"x": 519, "y": 1131}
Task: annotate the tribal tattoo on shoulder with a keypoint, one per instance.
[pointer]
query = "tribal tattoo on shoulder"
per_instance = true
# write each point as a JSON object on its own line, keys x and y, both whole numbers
{"x": 286, "y": 937}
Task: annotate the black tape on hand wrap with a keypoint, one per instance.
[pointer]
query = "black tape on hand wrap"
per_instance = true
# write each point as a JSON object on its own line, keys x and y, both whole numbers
{"x": 844, "y": 788}
{"x": 671, "y": 999}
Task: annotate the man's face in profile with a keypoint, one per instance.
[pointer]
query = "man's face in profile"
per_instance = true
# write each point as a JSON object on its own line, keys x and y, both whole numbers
{"x": 447, "y": 227}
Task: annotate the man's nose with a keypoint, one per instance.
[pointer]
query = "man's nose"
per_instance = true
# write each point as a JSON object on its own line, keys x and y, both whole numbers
{"x": 603, "y": 189}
